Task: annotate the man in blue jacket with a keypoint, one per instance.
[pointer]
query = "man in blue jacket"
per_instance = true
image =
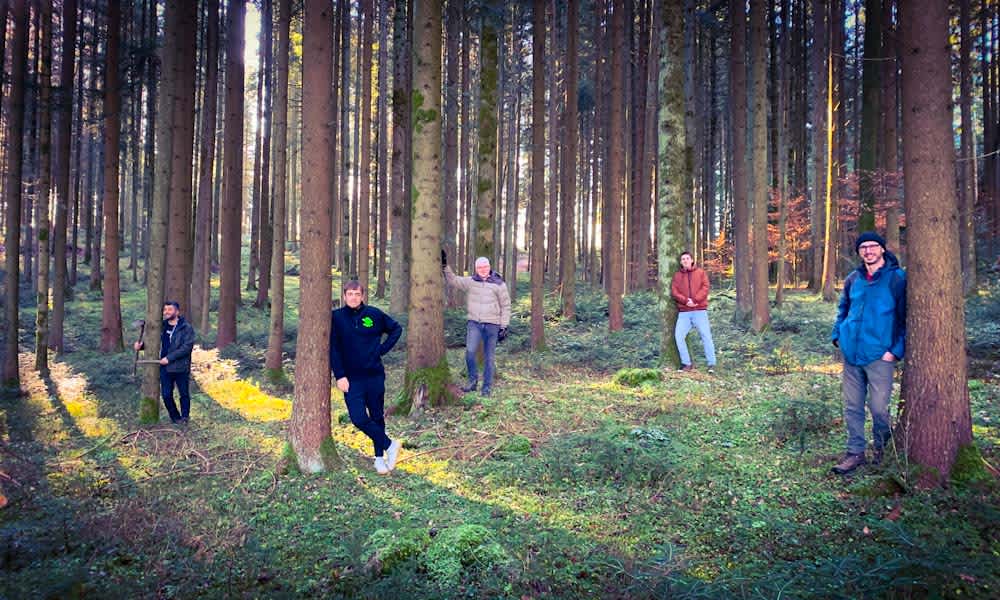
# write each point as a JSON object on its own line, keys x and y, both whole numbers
{"x": 871, "y": 333}
{"x": 356, "y": 349}
{"x": 176, "y": 344}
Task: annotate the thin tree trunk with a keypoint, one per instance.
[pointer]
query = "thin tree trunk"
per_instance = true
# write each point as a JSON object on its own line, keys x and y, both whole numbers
{"x": 362, "y": 216}
{"x": 111, "y": 312}
{"x": 537, "y": 218}
{"x": 568, "y": 168}
{"x": 399, "y": 243}
{"x": 44, "y": 184}
{"x": 870, "y": 89}
{"x": 616, "y": 166}
{"x": 265, "y": 226}
{"x": 967, "y": 191}
{"x": 344, "y": 148}
{"x": 383, "y": 147}
{"x": 740, "y": 197}
{"x": 231, "y": 216}
{"x": 488, "y": 129}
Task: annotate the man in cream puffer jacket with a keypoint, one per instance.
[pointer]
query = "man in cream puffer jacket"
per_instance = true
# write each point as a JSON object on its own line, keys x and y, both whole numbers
{"x": 488, "y": 308}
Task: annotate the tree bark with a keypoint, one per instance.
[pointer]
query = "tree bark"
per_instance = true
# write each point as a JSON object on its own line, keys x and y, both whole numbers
{"x": 568, "y": 168}
{"x": 761, "y": 313}
{"x": 265, "y": 225}
{"x": 616, "y": 166}
{"x": 231, "y": 216}
{"x": 111, "y": 312}
{"x": 12, "y": 190}
{"x": 673, "y": 170}
{"x": 486, "y": 189}
{"x": 537, "y": 219}
{"x": 870, "y": 89}
{"x": 382, "y": 158}
{"x": 399, "y": 242}
{"x": 936, "y": 415}
{"x": 43, "y": 228}
{"x": 426, "y": 366}
{"x": 818, "y": 66}
{"x": 363, "y": 218}
{"x": 202, "y": 270}
{"x": 741, "y": 186}
{"x": 967, "y": 191}
{"x": 309, "y": 429}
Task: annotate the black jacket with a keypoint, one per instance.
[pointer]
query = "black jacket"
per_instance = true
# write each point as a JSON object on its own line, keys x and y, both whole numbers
{"x": 177, "y": 345}
{"x": 356, "y": 345}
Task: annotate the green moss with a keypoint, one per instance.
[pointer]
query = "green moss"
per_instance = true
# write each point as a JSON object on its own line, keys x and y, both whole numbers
{"x": 456, "y": 549}
{"x": 330, "y": 456}
{"x": 883, "y": 487}
{"x": 149, "y": 410}
{"x": 390, "y": 548}
{"x": 516, "y": 445}
{"x": 435, "y": 379}
{"x": 289, "y": 460}
{"x": 277, "y": 377}
{"x": 637, "y": 377}
{"x": 969, "y": 467}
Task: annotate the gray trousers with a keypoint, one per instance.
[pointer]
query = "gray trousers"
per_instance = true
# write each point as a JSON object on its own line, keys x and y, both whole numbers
{"x": 873, "y": 380}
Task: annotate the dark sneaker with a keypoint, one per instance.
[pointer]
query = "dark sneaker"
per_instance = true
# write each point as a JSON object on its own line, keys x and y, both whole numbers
{"x": 485, "y": 392}
{"x": 686, "y": 368}
{"x": 877, "y": 456}
{"x": 471, "y": 387}
{"x": 711, "y": 370}
{"x": 849, "y": 463}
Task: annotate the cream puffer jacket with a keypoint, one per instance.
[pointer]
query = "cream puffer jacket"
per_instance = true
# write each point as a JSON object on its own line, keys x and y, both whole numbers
{"x": 487, "y": 300}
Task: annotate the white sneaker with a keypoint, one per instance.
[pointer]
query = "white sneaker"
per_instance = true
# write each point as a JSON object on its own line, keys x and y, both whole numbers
{"x": 380, "y": 466}
{"x": 392, "y": 454}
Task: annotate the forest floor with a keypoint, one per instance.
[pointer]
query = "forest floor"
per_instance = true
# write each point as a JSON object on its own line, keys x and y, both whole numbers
{"x": 574, "y": 480}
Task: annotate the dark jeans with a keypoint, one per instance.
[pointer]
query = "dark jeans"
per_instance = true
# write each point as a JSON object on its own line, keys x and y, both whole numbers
{"x": 167, "y": 382}
{"x": 486, "y": 334}
{"x": 365, "y": 399}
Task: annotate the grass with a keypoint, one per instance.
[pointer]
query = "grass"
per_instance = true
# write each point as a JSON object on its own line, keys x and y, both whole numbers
{"x": 576, "y": 478}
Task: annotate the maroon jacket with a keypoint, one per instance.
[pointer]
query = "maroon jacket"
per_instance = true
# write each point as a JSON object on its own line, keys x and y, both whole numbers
{"x": 691, "y": 284}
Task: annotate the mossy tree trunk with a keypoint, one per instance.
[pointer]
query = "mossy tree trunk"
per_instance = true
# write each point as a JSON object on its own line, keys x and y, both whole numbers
{"x": 44, "y": 186}
{"x": 487, "y": 182}
{"x": 111, "y": 311}
{"x": 399, "y": 242}
{"x": 936, "y": 415}
{"x": 272, "y": 360}
{"x": 426, "y": 367}
{"x": 673, "y": 169}
{"x": 870, "y": 91}
{"x": 309, "y": 429}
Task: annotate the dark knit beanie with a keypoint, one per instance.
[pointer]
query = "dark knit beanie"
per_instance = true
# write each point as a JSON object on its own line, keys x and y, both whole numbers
{"x": 869, "y": 236}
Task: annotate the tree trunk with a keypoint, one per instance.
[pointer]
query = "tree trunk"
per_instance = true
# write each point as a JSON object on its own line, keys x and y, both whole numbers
{"x": 870, "y": 89}
{"x": 255, "y": 194}
{"x": 383, "y": 148}
{"x": 43, "y": 228}
{"x": 309, "y": 429}
{"x": 362, "y": 217}
{"x": 180, "y": 239}
{"x": 111, "y": 311}
{"x": 537, "y": 218}
{"x": 936, "y": 415}
{"x": 202, "y": 271}
{"x": 552, "y": 238}
{"x": 758, "y": 238}
{"x": 231, "y": 216}
{"x": 265, "y": 226}
{"x": 399, "y": 243}
{"x": 741, "y": 186}
{"x": 889, "y": 157}
{"x": 487, "y": 181}
{"x": 834, "y": 135}
{"x": 426, "y": 365}
{"x": 568, "y": 168}
{"x": 967, "y": 191}
{"x": 63, "y": 136}
{"x": 14, "y": 143}
{"x": 673, "y": 171}
{"x": 454, "y": 20}
{"x": 616, "y": 166}
{"x": 818, "y": 66}
{"x": 344, "y": 147}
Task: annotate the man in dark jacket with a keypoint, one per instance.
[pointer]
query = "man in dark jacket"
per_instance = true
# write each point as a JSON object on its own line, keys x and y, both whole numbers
{"x": 356, "y": 349}
{"x": 871, "y": 333}
{"x": 176, "y": 344}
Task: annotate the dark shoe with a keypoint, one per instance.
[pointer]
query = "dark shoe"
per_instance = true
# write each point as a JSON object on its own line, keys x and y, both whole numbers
{"x": 877, "y": 456}
{"x": 471, "y": 387}
{"x": 485, "y": 393}
{"x": 849, "y": 463}
{"x": 176, "y": 420}
{"x": 711, "y": 370}
{"x": 686, "y": 368}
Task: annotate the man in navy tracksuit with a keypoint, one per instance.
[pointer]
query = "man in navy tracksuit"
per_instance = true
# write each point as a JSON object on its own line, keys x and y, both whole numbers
{"x": 176, "y": 344}
{"x": 871, "y": 332}
{"x": 356, "y": 349}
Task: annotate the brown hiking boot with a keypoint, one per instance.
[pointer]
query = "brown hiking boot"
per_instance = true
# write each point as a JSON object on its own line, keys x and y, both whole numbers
{"x": 686, "y": 368}
{"x": 849, "y": 463}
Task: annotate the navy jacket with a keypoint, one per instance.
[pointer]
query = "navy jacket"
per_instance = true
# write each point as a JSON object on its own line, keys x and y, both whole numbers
{"x": 871, "y": 318}
{"x": 177, "y": 347}
{"x": 356, "y": 345}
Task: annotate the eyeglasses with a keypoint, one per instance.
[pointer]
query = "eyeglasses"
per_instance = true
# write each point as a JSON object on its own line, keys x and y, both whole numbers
{"x": 864, "y": 247}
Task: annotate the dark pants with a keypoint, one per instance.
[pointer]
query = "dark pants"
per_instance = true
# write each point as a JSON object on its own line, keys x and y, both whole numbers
{"x": 167, "y": 382}
{"x": 486, "y": 334}
{"x": 365, "y": 401}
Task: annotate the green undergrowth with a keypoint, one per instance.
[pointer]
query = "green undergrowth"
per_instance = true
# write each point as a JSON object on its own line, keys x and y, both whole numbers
{"x": 588, "y": 473}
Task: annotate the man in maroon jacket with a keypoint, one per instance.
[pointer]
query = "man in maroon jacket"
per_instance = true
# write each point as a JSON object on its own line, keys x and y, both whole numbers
{"x": 690, "y": 291}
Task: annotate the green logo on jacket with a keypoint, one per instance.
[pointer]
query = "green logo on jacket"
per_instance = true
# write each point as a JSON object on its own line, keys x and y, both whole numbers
{"x": 367, "y": 322}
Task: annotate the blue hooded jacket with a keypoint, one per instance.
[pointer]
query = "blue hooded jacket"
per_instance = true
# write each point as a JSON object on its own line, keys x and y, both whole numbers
{"x": 871, "y": 318}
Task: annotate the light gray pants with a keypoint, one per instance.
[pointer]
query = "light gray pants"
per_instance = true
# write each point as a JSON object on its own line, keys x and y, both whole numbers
{"x": 873, "y": 380}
